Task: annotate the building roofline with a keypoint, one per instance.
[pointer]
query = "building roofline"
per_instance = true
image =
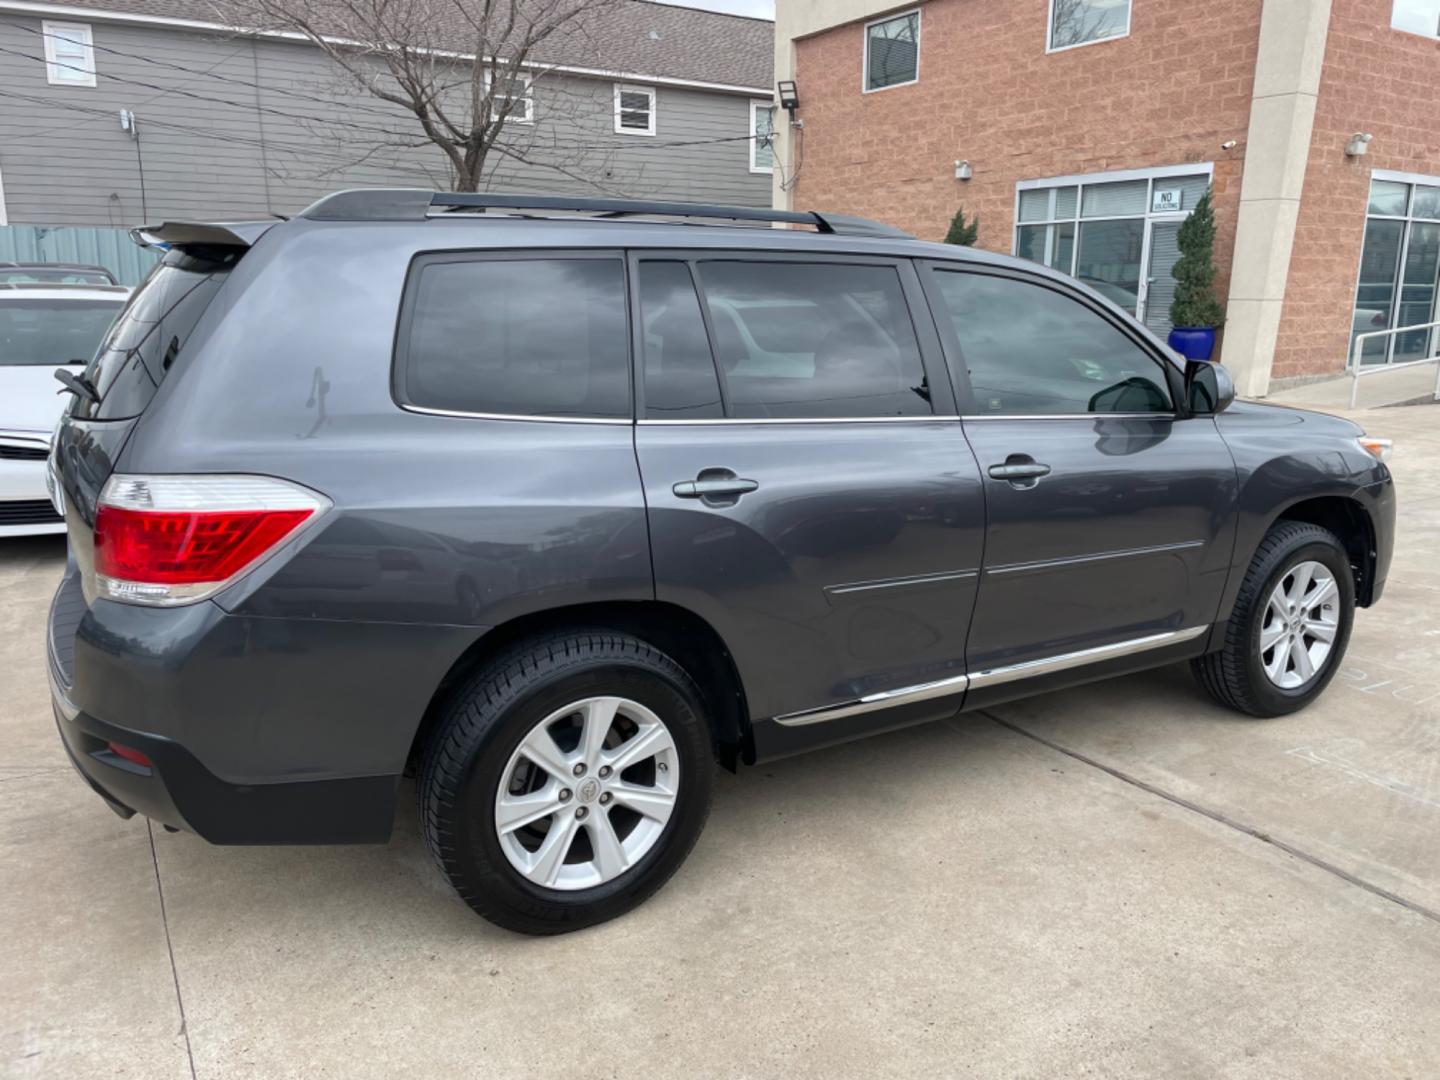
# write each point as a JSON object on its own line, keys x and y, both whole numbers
{"x": 89, "y": 14}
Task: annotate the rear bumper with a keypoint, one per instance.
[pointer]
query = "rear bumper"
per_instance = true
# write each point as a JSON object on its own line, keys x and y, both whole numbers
{"x": 180, "y": 792}
{"x": 258, "y": 731}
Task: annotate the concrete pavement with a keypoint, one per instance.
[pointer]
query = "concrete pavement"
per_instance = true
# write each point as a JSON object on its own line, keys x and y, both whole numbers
{"x": 1120, "y": 879}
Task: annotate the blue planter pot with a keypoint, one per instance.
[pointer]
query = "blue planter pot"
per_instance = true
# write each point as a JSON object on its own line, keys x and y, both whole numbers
{"x": 1193, "y": 343}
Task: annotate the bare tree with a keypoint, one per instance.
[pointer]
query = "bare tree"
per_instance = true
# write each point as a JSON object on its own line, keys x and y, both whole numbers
{"x": 466, "y": 72}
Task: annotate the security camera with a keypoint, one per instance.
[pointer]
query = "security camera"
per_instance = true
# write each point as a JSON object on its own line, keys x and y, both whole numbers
{"x": 1229, "y": 144}
{"x": 1359, "y": 144}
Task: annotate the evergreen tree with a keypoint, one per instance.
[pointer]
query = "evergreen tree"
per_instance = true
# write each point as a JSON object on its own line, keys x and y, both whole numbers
{"x": 1195, "y": 304}
{"x": 961, "y": 233}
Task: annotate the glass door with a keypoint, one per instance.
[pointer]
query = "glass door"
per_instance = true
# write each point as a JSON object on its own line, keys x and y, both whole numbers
{"x": 1159, "y": 281}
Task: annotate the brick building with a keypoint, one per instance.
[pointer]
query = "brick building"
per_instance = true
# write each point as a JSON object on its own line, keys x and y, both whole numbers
{"x": 1087, "y": 128}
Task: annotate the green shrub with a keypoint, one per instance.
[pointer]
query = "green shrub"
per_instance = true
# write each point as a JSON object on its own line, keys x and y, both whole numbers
{"x": 961, "y": 233}
{"x": 1195, "y": 304}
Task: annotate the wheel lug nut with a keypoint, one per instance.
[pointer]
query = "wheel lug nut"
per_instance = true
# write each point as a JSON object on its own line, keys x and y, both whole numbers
{"x": 580, "y": 812}
{"x": 604, "y": 771}
{"x": 565, "y": 794}
{"x": 605, "y": 797}
{"x": 579, "y": 770}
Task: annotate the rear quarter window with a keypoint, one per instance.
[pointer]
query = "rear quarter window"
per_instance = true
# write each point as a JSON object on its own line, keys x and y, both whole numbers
{"x": 514, "y": 336}
{"x": 151, "y": 333}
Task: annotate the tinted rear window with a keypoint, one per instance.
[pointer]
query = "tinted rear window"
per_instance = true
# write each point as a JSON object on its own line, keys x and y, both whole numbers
{"x": 46, "y": 333}
{"x": 515, "y": 336}
{"x": 151, "y": 333}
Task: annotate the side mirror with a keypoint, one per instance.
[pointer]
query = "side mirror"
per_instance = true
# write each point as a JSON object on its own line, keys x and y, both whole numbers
{"x": 1208, "y": 388}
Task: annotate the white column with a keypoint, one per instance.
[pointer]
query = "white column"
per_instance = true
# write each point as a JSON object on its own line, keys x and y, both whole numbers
{"x": 1277, "y": 149}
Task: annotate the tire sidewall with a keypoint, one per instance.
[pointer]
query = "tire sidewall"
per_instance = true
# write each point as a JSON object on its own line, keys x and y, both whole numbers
{"x": 478, "y": 849}
{"x": 1307, "y": 549}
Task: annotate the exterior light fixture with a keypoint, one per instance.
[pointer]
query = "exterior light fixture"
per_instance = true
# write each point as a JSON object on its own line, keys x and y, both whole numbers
{"x": 789, "y": 97}
{"x": 1359, "y": 144}
{"x": 963, "y": 171}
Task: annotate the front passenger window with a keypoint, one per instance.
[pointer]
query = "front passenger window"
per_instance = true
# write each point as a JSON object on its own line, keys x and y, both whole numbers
{"x": 1032, "y": 350}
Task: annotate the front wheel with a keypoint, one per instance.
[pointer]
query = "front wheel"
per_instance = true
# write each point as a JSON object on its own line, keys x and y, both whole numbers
{"x": 1290, "y": 625}
{"x": 568, "y": 781}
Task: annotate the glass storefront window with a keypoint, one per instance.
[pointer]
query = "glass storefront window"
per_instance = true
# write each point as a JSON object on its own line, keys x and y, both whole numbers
{"x": 1103, "y": 229}
{"x": 1399, "y": 272}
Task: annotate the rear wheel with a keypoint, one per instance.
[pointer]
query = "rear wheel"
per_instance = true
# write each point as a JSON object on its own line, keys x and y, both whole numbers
{"x": 1290, "y": 625}
{"x": 568, "y": 780}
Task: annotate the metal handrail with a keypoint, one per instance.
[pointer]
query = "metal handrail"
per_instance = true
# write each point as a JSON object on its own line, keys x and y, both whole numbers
{"x": 1357, "y": 370}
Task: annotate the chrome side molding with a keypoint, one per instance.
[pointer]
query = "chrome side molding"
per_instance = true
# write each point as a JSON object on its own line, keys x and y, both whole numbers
{"x": 885, "y": 699}
{"x": 908, "y": 695}
{"x": 1011, "y": 672}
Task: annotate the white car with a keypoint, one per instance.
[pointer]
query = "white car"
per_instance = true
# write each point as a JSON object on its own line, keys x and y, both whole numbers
{"x": 42, "y": 327}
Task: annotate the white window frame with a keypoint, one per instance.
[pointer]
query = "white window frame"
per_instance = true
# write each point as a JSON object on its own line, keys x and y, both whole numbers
{"x": 629, "y": 88}
{"x": 1051, "y": 47}
{"x": 1406, "y": 30}
{"x": 60, "y": 71}
{"x": 865, "y": 87}
{"x": 759, "y": 103}
{"x": 528, "y": 117}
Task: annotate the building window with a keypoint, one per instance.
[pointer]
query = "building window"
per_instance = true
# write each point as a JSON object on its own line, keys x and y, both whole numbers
{"x": 1399, "y": 268}
{"x": 69, "y": 54}
{"x": 1081, "y": 22}
{"x": 634, "y": 110}
{"x": 762, "y": 137}
{"x": 520, "y": 91}
{"x": 892, "y": 51}
{"x": 1116, "y": 232}
{"x": 1417, "y": 17}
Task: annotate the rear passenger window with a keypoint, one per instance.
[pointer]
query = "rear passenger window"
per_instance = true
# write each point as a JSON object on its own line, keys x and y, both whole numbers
{"x": 516, "y": 337}
{"x": 680, "y": 380}
{"x": 1031, "y": 350}
{"x": 814, "y": 340}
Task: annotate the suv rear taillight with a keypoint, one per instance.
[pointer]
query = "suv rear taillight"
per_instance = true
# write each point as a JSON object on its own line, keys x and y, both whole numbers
{"x": 166, "y": 540}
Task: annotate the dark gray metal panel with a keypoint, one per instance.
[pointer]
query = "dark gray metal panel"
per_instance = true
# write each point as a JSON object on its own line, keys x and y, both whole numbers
{"x": 1285, "y": 456}
{"x": 837, "y": 504}
{"x": 1130, "y": 534}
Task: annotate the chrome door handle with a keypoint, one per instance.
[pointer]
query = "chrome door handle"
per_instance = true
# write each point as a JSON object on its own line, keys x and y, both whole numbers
{"x": 715, "y": 487}
{"x": 699, "y": 489}
{"x": 1020, "y": 471}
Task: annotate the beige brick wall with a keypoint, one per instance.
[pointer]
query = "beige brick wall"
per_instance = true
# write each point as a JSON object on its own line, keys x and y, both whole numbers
{"x": 1171, "y": 93}
{"x": 1375, "y": 80}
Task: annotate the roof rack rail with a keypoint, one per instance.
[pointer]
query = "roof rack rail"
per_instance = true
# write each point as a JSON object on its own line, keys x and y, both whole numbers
{"x": 416, "y": 204}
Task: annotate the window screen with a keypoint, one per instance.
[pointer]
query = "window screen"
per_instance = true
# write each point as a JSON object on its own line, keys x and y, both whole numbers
{"x": 520, "y": 337}
{"x": 801, "y": 340}
{"x": 680, "y": 380}
{"x": 1032, "y": 350}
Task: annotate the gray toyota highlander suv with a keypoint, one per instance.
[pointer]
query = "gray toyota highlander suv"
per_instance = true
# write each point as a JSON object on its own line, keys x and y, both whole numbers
{"x": 554, "y": 503}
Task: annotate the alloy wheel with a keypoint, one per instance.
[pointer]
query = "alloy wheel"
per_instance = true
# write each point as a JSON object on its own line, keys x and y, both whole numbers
{"x": 1302, "y": 619}
{"x": 587, "y": 793}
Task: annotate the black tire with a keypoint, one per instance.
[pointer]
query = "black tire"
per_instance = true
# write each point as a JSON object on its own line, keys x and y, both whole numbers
{"x": 1234, "y": 675}
{"x": 465, "y": 758}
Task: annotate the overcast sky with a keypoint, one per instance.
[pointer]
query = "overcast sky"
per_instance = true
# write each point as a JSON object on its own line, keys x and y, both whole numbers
{"x": 765, "y": 9}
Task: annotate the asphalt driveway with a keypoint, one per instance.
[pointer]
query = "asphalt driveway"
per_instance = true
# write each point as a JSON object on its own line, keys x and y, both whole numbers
{"x": 1121, "y": 879}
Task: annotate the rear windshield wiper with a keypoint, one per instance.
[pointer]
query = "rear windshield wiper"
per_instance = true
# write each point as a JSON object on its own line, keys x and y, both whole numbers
{"x": 78, "y": 385}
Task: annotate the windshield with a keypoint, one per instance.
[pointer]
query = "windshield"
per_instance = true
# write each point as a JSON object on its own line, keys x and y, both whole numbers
{"x": 36, "y": 332}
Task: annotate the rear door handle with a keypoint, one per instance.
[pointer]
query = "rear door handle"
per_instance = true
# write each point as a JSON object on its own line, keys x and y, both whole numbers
{"x": 1020, "y": 471}
{"x": 708, "y": 488}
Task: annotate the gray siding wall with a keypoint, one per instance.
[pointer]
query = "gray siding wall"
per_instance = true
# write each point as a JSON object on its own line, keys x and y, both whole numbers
{"x": 267, "y": 127}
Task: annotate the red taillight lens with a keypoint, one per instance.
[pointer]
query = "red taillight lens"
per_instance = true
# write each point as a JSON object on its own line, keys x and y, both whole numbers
{"x": 186, "y": 548}
{"x": 176, "y": 539}
{"x": 130, "y": 755}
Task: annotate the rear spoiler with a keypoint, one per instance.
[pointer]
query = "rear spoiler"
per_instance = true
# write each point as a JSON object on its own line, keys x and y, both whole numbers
{"x": 182, "y": 234}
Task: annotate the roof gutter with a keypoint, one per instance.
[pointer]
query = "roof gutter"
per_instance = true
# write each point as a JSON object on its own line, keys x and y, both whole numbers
{"x": 70, "y": 11}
